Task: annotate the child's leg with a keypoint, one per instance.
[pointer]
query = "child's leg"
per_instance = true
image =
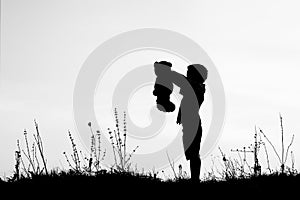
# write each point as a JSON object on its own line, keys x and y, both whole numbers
{"x": 164, "y": 103}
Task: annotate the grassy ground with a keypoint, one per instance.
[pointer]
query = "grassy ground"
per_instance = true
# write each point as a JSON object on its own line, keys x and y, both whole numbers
{"x": 85, "y": 176}
{"x": 128, "y": 184}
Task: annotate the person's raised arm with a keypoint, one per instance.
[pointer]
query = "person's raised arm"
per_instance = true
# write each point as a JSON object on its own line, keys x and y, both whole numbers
{"x": 177, "y": 78}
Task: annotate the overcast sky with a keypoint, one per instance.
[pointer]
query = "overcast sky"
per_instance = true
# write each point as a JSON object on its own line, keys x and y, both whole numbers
{"x": 255, "y": 46}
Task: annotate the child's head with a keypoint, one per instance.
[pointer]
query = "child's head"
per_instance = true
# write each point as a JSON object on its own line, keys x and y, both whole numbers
{"x": 162, "y": 68}
{"x": 197, "y": 73}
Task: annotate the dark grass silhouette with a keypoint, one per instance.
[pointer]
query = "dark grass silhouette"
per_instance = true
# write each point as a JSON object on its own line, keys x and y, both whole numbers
{"x": 120, "y": 182}
{"x": 131, "y": 184}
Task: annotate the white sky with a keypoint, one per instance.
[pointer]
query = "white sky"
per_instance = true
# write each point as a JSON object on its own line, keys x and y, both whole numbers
{"x": 254, "y": 44}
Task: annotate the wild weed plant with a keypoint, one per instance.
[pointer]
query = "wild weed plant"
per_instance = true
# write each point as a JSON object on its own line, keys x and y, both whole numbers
{"x": 30, "y": 161}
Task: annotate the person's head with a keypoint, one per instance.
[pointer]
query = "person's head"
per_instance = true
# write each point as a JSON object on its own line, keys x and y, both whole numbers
{"x": 196, "y": 73}
{"x": 162, "y": 68}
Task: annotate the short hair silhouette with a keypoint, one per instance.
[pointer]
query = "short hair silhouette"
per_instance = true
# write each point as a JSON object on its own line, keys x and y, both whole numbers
{"x": 197, "y": 73}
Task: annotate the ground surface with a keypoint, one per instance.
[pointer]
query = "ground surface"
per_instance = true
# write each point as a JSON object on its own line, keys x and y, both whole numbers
{"x": 124, "y": 185}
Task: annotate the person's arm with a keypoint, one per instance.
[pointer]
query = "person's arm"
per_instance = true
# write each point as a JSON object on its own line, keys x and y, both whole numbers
{"x": 177, "y": 78}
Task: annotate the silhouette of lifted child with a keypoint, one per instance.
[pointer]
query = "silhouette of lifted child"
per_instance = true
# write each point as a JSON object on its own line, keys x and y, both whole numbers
{"x": 163, "y": 87}
{"x": 192, "y": 88}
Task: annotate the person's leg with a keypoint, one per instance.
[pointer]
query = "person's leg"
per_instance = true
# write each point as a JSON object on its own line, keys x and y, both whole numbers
{"x": 192, "y": 150}
{"x": 195, "y": 165}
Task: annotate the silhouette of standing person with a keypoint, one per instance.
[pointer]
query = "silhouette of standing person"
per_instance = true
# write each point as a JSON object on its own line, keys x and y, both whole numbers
{"x": 192, "y": 88}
